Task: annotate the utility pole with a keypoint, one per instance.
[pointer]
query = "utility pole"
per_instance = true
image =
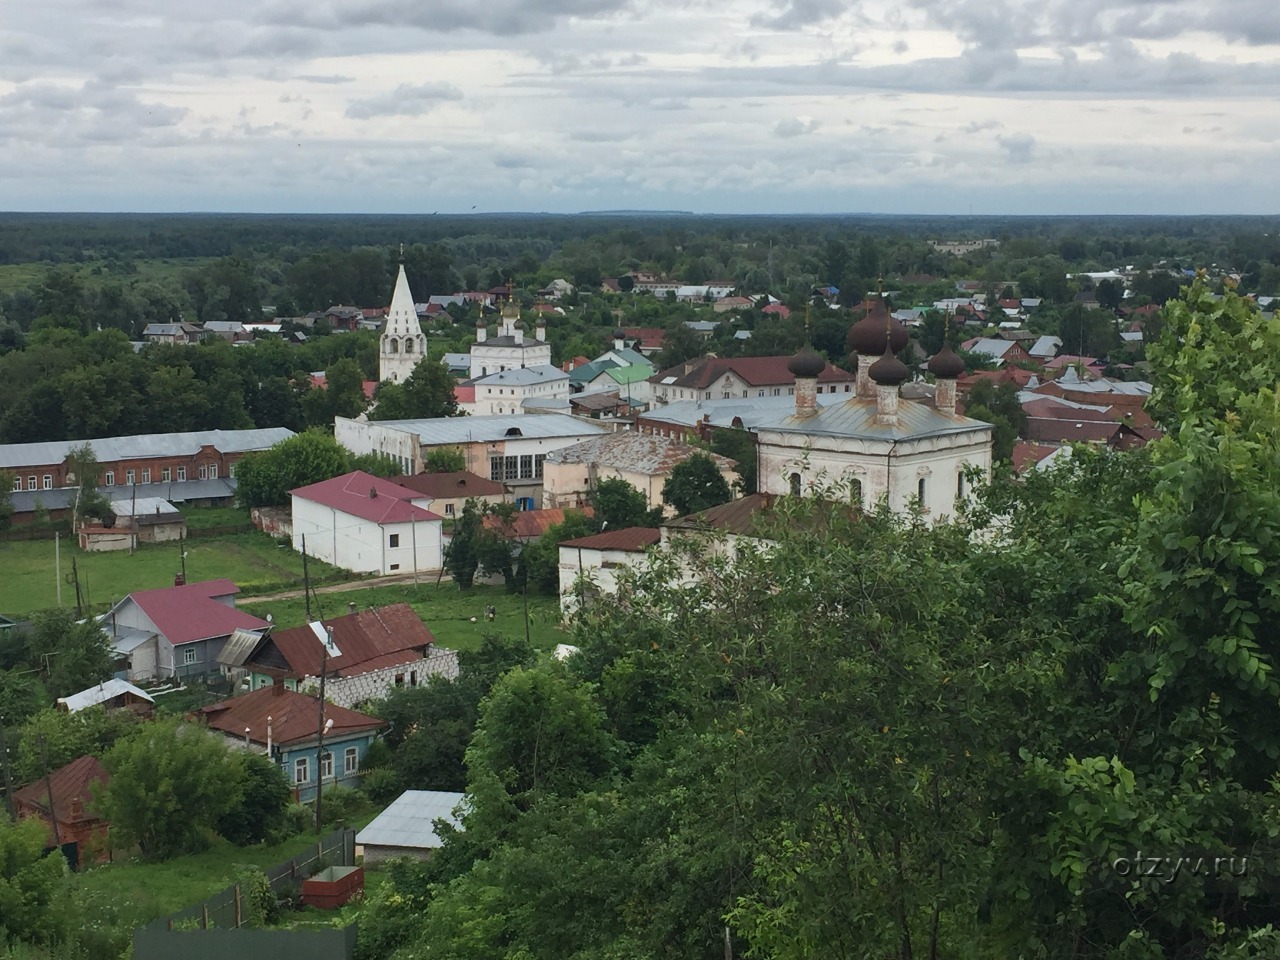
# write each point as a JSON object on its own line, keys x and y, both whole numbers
{"x": 48, "y": 789}
{"x": 413, "y": 528}
{"x": 182, "y": 554}
{"x": 133, "y": 522}
{"x": 8, "y": 780}
{"x": 75, "y": 577}
{"x": 306, "y": 584}
{"x": 324, "y": 667}
{"x": 57, "y": 565}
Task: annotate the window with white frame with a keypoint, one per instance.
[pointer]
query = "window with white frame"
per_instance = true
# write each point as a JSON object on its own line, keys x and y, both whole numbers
{"x": 182, "y": 473}
{"x": 302, "y": 770}
{"x": 350, "y": 761}
{"x": 166, "y": 474}
{"x": 48, "y": 481}
{"x": 188, "y": 656}
{"x": 204, "y": 471}
{"x": 31, "y": 483}
{"x": 17, "y": 483}
{"x": 213, "y": 471}
{"x": 326, "y": 766}
{"x": 448, "y": 509}
{"x": 110, "y": 478}
{"x": 146, "y": 474}
{"x": 131, "y": 477}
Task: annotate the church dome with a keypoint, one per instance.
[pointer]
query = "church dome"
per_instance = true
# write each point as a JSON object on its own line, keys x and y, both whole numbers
{"x": 807, "y": 363}
{"x": 889, "y": 371}
{"x": 867, "y": 336}
{"x": 945, "y": 364}
{"x": 519, "y": 324}
{"x": 480, "y": 323}
{"x": 619, "y": 335}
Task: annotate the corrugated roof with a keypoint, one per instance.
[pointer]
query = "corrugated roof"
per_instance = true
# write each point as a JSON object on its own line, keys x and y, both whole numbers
{"x": 585, "y": 373}
{"x": 756, "y": 371}
{"x": 523, "y": 376}
{"x": 294, "y": 717}
{"x": 632, "y": 374}
{"x": 187, "y": 613}
{"x": 530, "y": 524}
{"x": 631, "y": 539}
{"x": 723, "y": 413}
{"x": 389, "y": 635}
{"x": 451, "y": 484}
{"x": 410, "y": 820}
{"x": 634, "y": 453}
{"x": 363, "y": 495}
{"x": 107, "y": 690}
{"x": 238, "y": 647}
{"x": 143, "y": 446}
{"x": 736, "y": 516}
{"x": 71, "y": 787}
{"x": 455, "y": 430}
{"x": 856, "y": 417}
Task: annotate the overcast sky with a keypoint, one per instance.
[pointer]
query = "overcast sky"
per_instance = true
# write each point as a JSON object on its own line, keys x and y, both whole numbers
{"x": 734, "y": 106}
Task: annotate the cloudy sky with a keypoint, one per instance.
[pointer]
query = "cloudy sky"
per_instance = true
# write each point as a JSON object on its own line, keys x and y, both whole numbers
{"x": 774, "y": 106}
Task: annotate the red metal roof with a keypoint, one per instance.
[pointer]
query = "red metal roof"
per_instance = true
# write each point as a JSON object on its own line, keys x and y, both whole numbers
{"x": 70, "y": 786}
{"x": 529, "y": 524}
{"x": 1027, "y": 455}
{"x": 451, "y": 484}
{"x": 632, "y": 539}
{"x": 363, "y": 495}
{"x": 464, "y": 394}
{"x": 191, "y": 612}
{"x": 367, "y": 639}
{"x": 294, "y": 717}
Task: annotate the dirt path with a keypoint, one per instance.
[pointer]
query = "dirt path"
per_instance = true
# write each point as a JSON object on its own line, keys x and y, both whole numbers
{"x": 390, "y": 580}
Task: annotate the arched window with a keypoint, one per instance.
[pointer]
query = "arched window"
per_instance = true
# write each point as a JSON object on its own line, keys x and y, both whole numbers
{"x": 855, "y": 491}
{"x": 393, "y": 345}
{"x": 960, "y": 483}
{"x": 921, "y": 488}
{"x": 795, "y": 484}
{"x": 408, "y": 345}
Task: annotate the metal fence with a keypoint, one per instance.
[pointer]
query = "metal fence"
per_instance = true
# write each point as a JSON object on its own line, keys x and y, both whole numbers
{"x": 226, "y": 907}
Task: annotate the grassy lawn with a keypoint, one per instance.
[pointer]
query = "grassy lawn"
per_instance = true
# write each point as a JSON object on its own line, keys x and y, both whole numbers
{"x": 254, "y": 561}
{"x": 445, "y": 609}
{"x": 201, "y": 518}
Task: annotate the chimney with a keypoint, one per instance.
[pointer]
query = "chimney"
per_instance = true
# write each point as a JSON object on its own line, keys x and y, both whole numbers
{"x": 944, "y": 397}
{"x": 865, "y": 387}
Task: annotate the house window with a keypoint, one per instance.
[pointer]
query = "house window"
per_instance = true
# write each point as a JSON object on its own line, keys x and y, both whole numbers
{"x": 350, "y": 761}
{"x": 744, "y": 394}
{"x": 448, "y": 509}
{"x": 204, "y": 472}
{"x": 48, "y": 481}
{"x": 795, "y": 484}
{"x": 109, "y": 479}
{"x": 231, "y": 470}
{"x": 146, "y": 474}
{"x": 393, "y": 540}
{"x": 130, "y": 477}
{"x": 920, "y": 490}
{"x": 495, "y": 468}
{"x": 777, "y": 391}
{"x": 166, "y": 474}
{"x": 526, "y": 466}
{"x": 759, "y": 393}
{"x": 182, "y": 473}
{"x": 188, "y": 656}
{"x": 846, "y": 388}
{"x": 213, "y": 471}
{"x": 17, "y": 483}
{"x": 538, "y": 460}
{"x": 302, "y": 770}
{"x": 31, "y": 483}
{"x": 513, "y": 468}
{"x": 960, "y": 483}
{"x": 707, "y": 396}
{"x": 326, "y": 766}
{"x": 855, "y": 491}
{"x": 791, "y": 391}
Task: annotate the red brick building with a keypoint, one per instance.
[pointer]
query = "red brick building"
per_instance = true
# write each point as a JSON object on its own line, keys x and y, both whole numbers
{"x": 148, "y": 458}
{"x": 73, "y": 820}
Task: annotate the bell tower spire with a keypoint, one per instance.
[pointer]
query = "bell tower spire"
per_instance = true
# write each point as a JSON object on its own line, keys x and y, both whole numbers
{"x": 402, "y": 344}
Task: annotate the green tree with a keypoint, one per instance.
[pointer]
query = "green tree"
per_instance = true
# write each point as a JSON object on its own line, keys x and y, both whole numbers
{"x": 618, "y": 504}
{"x": 69, "y": 654}
{"x": 678, "y": 345}
{"x": 6, "y": 498}
{"x": 462, "y": 553}
{"x": 265, "y": 478}
{"x": 539, "y": 562}
{"x": 427, "y": 393}
{"x": 82, "y": 470}
{"x": 34, "y": 902}
{"x": 444, "y": 460}
{"x": 998, "y": 406}
{"x": 170, "y": 785}
{"x": 260, "y": 814}
{"x": 60, "y": 737}
{"x": 695, "y": 485}
{"x": 740, "y": 447}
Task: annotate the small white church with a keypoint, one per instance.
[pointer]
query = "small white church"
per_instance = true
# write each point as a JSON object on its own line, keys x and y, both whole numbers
{"x": 877, "y": 443}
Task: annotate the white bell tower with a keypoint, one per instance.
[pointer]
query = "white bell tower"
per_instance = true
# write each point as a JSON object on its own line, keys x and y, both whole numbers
{"x": 402, "y": 344}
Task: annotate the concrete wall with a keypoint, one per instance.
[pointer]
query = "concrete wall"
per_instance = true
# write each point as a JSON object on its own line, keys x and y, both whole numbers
{"x": 360, "y": 437}
{"x": 601, "y": 572}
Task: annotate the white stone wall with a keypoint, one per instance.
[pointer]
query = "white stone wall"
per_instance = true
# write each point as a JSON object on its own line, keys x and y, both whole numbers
{"x": 881, "y": 467}
{"x": 363, "y": 546}
{"x": 371, "y": 437}
{"x": 486, "y": 358}
{"x": 350, "y": 692}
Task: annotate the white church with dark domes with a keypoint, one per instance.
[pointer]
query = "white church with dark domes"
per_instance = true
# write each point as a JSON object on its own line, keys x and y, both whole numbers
{"x": 877, "y": 443}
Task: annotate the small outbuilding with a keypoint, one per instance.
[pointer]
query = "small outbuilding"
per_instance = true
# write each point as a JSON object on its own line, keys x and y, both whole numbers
{"x": 407, "y": 827}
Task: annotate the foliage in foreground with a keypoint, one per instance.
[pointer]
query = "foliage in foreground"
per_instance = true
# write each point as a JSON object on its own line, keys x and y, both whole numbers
{"x": 877, "y": 739}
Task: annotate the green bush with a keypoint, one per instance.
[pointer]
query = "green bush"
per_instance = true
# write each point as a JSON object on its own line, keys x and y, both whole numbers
{"x": 257, "y": 899}
{"x": 341, "y": 805}
{"x": 381, "y": 785}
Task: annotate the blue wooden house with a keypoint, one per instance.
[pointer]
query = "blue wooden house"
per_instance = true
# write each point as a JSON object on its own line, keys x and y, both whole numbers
{"x": 287, "y": 726}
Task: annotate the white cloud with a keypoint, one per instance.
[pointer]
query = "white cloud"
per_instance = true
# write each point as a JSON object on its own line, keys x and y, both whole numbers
{"x": 406, "y": 100}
